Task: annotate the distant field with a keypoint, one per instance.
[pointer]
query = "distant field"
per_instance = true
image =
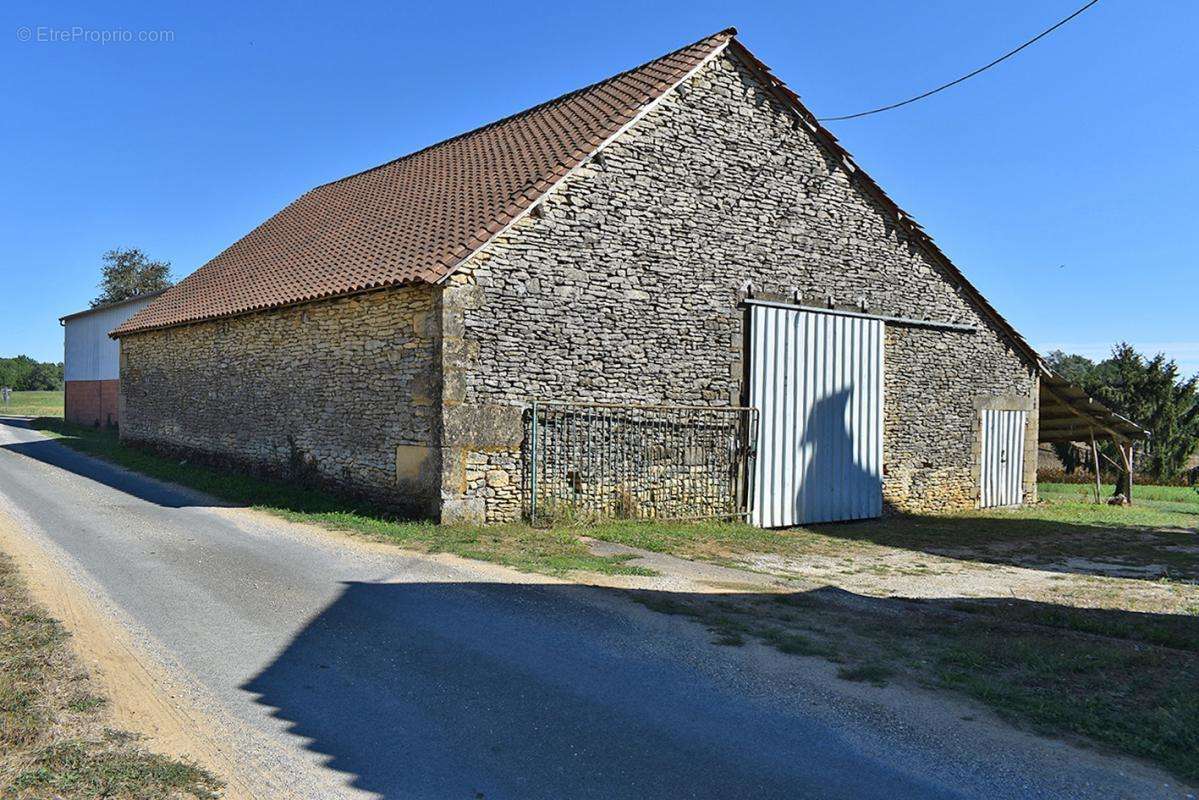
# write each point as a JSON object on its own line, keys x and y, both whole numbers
{"x": 1155, "y": 495}
{"x": 33, "y": 404}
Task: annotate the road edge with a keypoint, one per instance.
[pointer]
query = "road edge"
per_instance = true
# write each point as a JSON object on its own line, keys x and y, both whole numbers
{"x": 141, "y": 697}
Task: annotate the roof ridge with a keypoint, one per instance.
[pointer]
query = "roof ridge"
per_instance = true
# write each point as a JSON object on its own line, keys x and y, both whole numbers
{"x": 728, "y": 33}
{"x": 114, "y": 303}
{"x": 341, "y": 237}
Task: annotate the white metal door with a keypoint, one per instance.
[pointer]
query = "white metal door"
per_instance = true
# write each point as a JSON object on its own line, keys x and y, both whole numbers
{"x": 1002, "y": 473}
{"x": 817, "y": 380}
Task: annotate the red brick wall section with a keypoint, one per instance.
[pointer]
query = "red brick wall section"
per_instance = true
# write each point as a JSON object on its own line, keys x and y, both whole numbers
{"x": 92, "y": 403}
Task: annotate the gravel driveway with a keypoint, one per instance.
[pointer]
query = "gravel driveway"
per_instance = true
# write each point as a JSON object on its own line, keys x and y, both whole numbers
{"x": 334, "y": 667}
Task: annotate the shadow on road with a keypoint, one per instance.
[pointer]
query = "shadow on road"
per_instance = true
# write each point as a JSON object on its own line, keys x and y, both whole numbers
{"x": 523, "y": 691}
{"x": 58, "y": 455}
{"x": 466, "y": 691}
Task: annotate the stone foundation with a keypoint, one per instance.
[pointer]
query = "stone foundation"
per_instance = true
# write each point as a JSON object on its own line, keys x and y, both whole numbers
{"x": 495, "y": 478}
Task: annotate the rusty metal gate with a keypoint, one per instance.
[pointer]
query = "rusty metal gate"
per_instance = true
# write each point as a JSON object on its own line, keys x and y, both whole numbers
{"x": 587, "y": 461}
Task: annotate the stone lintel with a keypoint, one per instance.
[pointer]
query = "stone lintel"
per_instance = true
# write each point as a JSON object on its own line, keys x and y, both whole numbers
{"x": 1004, "y": 402}
{"x": 483, "y": 427}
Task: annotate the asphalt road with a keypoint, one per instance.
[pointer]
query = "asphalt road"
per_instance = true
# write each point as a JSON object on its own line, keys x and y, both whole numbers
{"x": 354, "y": 670}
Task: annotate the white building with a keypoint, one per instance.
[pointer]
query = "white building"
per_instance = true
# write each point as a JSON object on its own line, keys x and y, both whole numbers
{"x": 92, "y": 360}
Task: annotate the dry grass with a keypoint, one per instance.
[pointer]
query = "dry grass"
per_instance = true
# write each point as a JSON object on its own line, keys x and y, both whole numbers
{"x": 1067, "y": 617}
{"x": 1123, "y": 680}
{"x": 53, "y": 742}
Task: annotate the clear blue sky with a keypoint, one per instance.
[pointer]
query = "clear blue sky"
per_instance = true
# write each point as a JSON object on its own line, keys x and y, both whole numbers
{"x": 1062, "y": 182}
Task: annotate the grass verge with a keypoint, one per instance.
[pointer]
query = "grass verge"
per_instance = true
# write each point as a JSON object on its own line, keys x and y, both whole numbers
{"x": 555, "y": 551}
{"x": 1121, "y": 679}
{"x": 1158, "y": 537}
{"x": 53, "y": 743}
{"x": 1180, "y": 498}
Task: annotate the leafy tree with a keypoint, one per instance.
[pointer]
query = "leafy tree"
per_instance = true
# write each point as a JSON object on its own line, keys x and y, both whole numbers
{"x": 1150, "y": 392}
{"x": 128, "y": 273}
{"x": 44, "y": 377}
{"x": 15, "y": 371}
{"x": 1074, "y": 368}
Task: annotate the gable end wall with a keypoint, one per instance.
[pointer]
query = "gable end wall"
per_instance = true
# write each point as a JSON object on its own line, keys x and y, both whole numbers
{"x": 625, "y": 289}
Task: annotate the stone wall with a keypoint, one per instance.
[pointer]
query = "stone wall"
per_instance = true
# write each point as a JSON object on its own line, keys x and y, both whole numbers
{"x": 341, "y": 391}
{"x": 625, "y": 287}
{"x": 936, "y": 384}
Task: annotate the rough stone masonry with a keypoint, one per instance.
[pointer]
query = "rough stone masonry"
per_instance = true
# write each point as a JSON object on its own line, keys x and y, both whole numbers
{"x": 343, "y": 392}
{"x": 623, "y": 286}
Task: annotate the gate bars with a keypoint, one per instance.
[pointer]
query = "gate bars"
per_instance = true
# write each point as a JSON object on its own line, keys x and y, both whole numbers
{"x": 589, "y": 461}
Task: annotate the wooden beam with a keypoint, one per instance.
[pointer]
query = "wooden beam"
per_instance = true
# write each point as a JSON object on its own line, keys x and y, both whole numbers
{"x": 1080, "y": 431}
{"x": 1071, "y": 434}
{"x": 1130, "y": 473}
{"x": 1126, "y": 456}
{"x": 1068, "y": 437}
{"x": 1098, "y": 483}
{"x": 1083, "y": 431}
{"x": 1115, "y": 464}
{"x": 1060, "y": 438}
{"x": 1089, "y": 420}
{"x": 1056, "y": 417}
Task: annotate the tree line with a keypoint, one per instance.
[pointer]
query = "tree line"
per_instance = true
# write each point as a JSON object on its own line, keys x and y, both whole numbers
{"x": 23, "y": 374}
{"x": 1147, "y": 390}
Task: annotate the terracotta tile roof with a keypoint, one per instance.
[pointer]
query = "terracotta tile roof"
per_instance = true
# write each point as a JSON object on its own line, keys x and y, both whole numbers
{"x": 414, "y": 219}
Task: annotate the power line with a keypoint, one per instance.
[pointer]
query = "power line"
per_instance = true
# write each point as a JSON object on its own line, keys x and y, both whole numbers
{"x": 943, "y": 87}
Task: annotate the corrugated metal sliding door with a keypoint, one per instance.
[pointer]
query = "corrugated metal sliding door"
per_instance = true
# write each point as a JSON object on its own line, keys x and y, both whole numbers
{"x": 817, "y": 380}
{"x": 1002, "y": 473}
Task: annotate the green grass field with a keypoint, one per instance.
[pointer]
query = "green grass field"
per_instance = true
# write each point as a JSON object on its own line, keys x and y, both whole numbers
{"x": 33, "y": 404}
{"x": 1151, "y": 496}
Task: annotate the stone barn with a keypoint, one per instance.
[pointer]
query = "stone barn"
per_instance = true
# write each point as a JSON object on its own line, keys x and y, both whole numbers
{"x": 670, "y": 293}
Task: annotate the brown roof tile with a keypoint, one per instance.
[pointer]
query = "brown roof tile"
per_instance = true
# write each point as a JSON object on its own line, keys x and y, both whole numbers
{"x": 414, "y": 219}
